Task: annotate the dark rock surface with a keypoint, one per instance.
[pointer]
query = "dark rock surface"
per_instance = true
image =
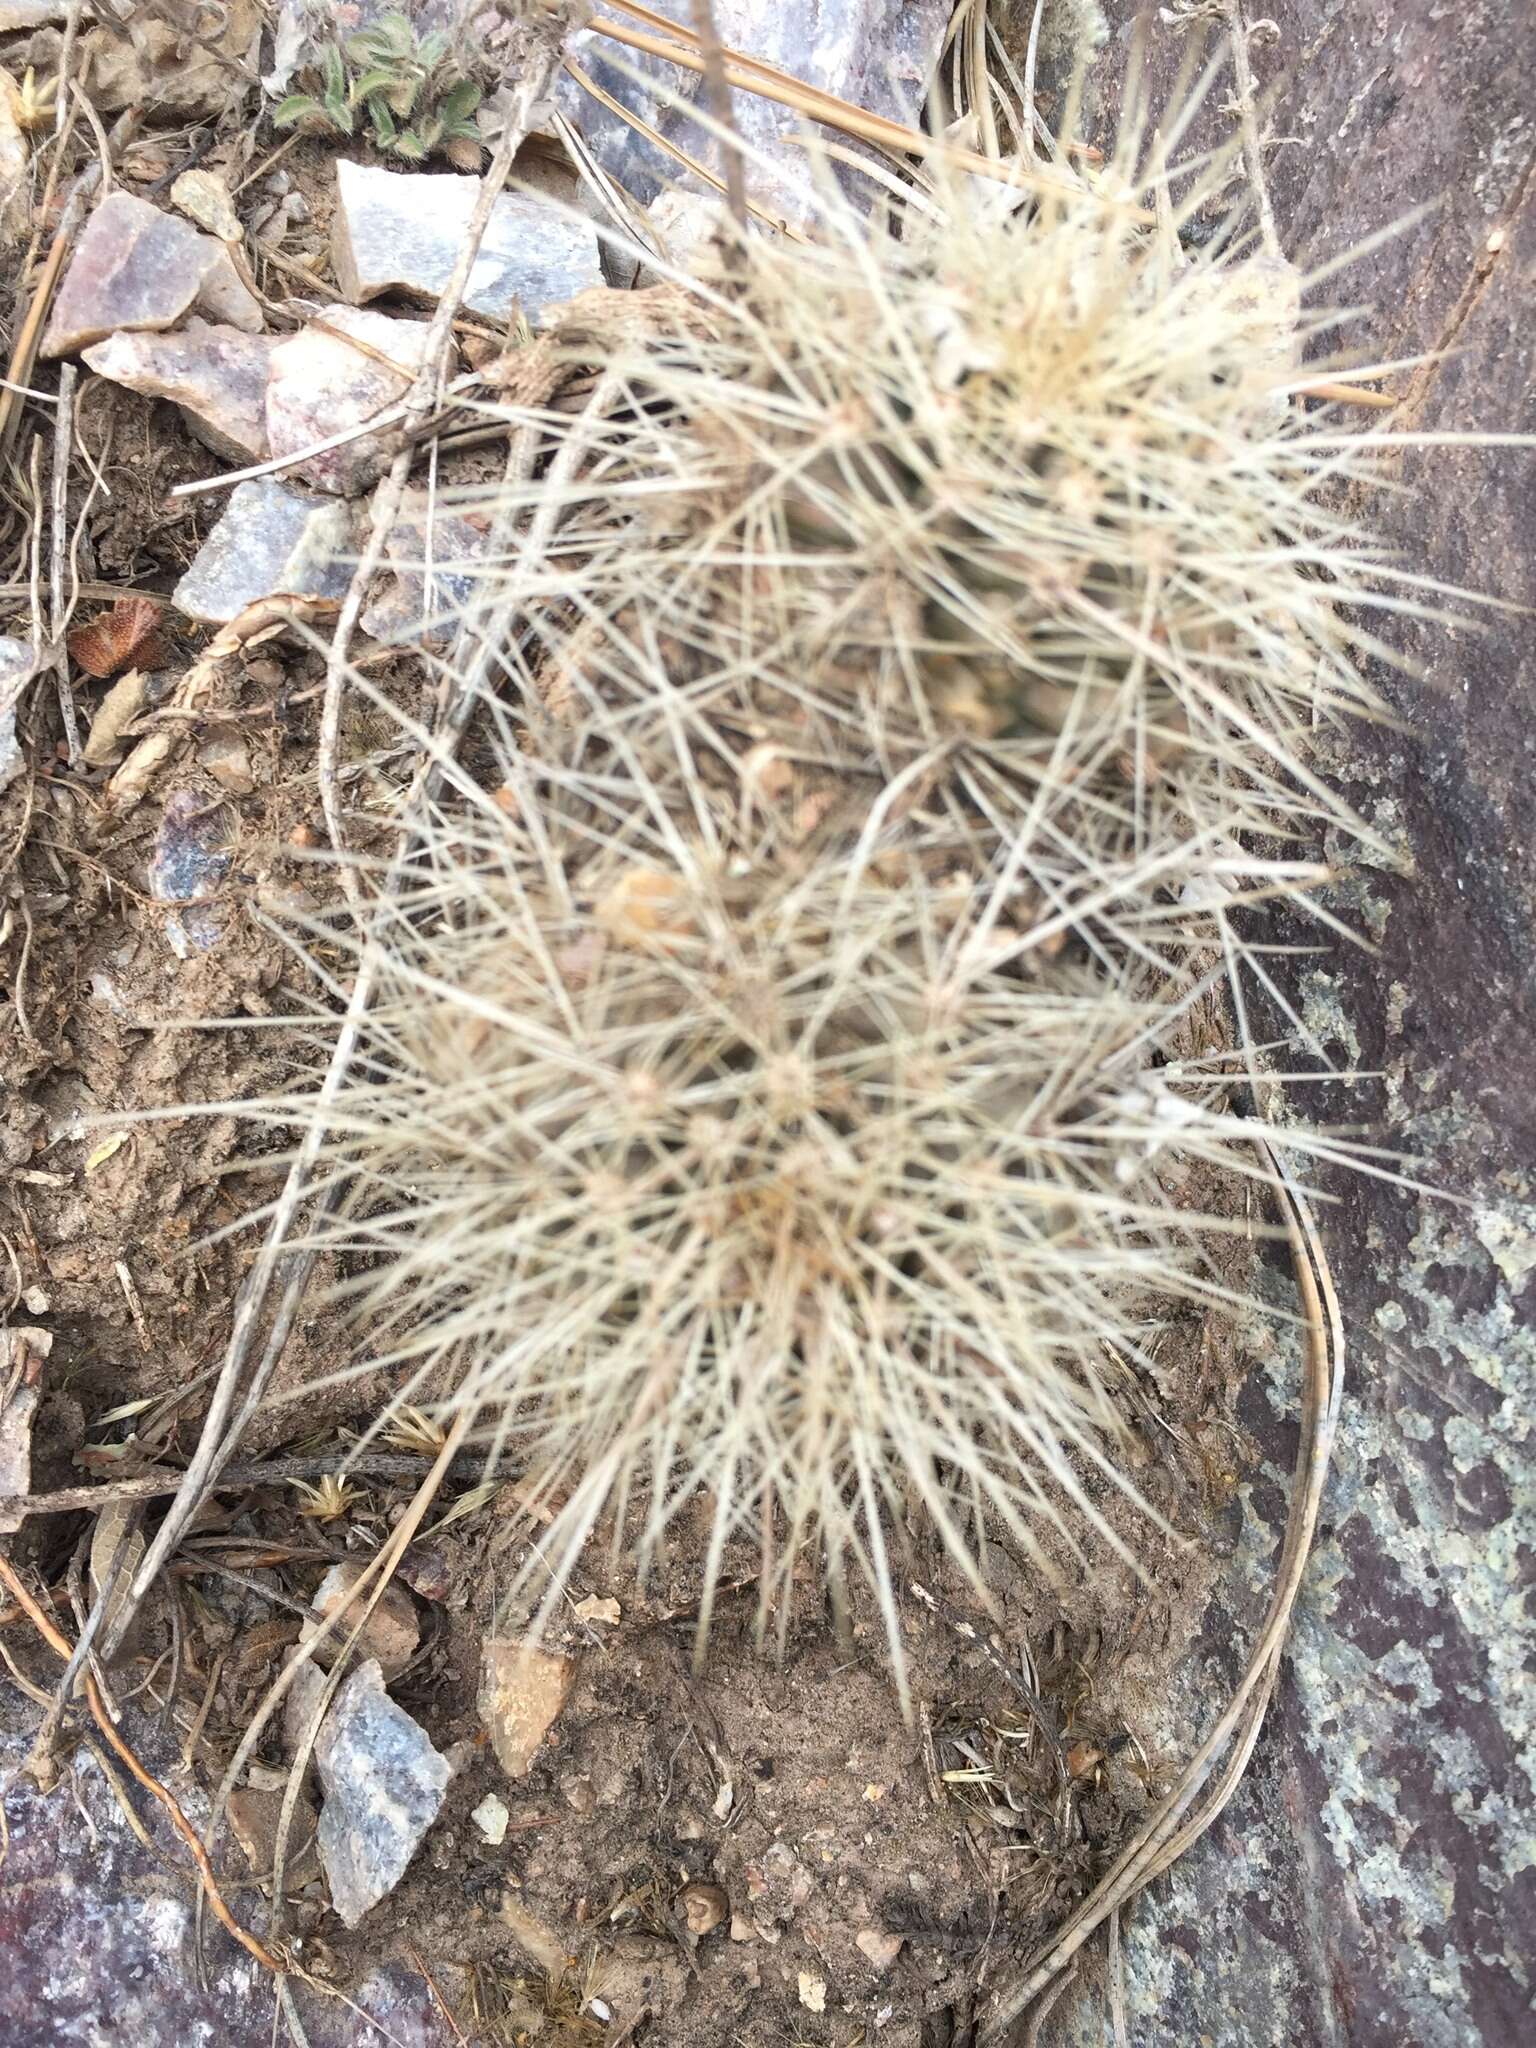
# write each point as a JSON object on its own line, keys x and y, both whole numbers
{"x": 1372, "y": 1883}
{"x": 97, "y": 1939}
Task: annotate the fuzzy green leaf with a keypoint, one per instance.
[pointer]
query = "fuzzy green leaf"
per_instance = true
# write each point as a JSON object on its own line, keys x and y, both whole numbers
{"x": 340, "y": 113}
{"x": 397, "y": 32}
{"x": 408, "y": 144}
{"x": 457, "y": 106}
{"x": 377, "y": 80}
{"x": 334, "y": 72}
{"x": 295, "y": 108}
{"x": 384, "y": 128}
{"x": 431, "y": 50}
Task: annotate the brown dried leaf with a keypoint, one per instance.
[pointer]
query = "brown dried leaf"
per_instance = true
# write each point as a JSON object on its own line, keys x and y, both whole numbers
{"x": 127, "y": 634}
{"x": 117, "y": 710}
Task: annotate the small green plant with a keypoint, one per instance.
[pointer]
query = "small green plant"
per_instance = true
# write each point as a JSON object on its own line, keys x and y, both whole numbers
{"x": 407, "y": 89}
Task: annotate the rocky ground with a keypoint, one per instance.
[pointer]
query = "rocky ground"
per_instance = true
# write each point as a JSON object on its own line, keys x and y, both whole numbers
{"x": 600, "y": 1845}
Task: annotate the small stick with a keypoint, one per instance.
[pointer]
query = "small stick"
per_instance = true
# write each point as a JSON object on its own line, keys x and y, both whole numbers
{"x": 718, "y": 92}
{"x": 1253, "y": 147}
{"x": 58, "y": 1643}
{"x": 1179, "y": 1821}
{"x": 674, "y": 150}
{"x": 30, "y": 331}
{"x": 59, "y": 604}
{"x": 1348, "y": 394}
{"x": 426, "y": 1977}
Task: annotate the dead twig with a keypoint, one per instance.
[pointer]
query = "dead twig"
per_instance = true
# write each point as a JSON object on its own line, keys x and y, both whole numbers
{"x": 60, "y": 604}
{"x": 29, "y": 334}
{"x": 717, "y": 90}
{"x": 70, "y": 1500}
{"x": 425, "y": 396}
{"x": 767, "y": 81}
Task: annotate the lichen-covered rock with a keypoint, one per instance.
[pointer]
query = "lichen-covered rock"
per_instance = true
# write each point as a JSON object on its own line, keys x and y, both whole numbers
{"x": 384, "y": 1785}
{"x": 273, "y": 538}
{"x": 403, "y": 230}
{"x": 135, "y": 267}
{"x": 216, "y": 375}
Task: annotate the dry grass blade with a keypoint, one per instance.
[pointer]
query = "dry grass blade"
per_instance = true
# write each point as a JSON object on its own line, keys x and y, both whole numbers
{"x": 1184, "y": 1815}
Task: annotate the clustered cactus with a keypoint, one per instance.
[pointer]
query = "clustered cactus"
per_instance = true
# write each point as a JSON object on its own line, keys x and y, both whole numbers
{"x": 775, "y": 1102}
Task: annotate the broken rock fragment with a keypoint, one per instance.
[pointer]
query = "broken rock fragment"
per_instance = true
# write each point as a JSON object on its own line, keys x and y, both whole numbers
{"x": 402, "y": 231}
{"x": 384, "y": 1786}
{"x": 22, "y": 1355}
{"x": 339, "y": 372}
{"x": 438, "y": 563}
{"x": 273, "y": 538}
{"x": 522, "y": 1690}
{"x": 138, "y": 268}
{"x": 18, "y": 664}
{"x": 254, "y": 1817}
{"x": 217, "y": 375}
{"x": 390, "y": 1633}
{"x": 191, "y": 859}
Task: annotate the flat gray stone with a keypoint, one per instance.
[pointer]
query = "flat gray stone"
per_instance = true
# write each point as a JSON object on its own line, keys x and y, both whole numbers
{"x": 216, "y": 375}
{"x": 138, "y": 268}
{"x": 328, "y": 378}
{"x": 403, "y": 230}
{"x": 384, "y": 1786}
{"x": 273, "y": 538}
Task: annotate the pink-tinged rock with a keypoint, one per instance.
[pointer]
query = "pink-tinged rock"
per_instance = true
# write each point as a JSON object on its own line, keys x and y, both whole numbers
{"x": 403, "y": 230}
{"x": 274, "y": 539}
{"x": 522, "y": 1689}
{"x": 217, "y": 375}
{"x": 96, "y": 1928}
{"x": 321, "y": 385}
{"x": 135, "y": 267}
{"x": 438, "y": 575}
